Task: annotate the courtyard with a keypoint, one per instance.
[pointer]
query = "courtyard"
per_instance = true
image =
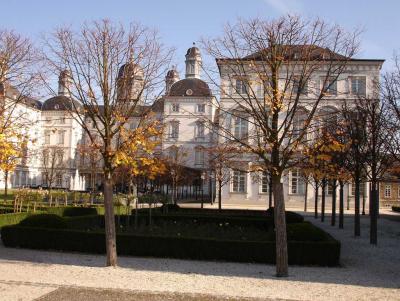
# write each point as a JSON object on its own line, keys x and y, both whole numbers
{"x": 367, "y": 272}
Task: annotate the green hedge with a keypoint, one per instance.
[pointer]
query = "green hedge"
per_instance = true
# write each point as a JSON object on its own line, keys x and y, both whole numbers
{"x": 324, "y": 253}
{"x": 51, "y": 221}
{"x": 12, "y": 218}
{"x": 396, "y": 208}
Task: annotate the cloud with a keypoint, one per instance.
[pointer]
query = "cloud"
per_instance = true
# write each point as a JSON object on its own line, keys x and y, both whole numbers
{"x": 285, "y": 6}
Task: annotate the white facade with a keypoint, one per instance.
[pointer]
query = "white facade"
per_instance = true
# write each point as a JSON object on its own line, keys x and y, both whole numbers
{"x": 187, "y": 110}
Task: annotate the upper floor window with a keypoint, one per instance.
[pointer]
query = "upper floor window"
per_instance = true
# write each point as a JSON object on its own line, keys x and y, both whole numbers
{"x": 241, "y": 86}
{"x": 47, "y": 137}
{"x": 358, "y": 85}
{"x": 201, "y": 108}
{"x": 300, "y": 85}
{"x": 61, "y": 137}
{"x": 296, "y": 182}
{"x": 174, "y": 129}
{"x": 200, "y": 129}
{"x": 240, "y": 128}
{"x": 238, "y": 181}
{"x": 62, "y": 120}
{"x": 175, "y": 107}
{"x": 330, "y": 86}
{"x": 388, "y": 191}
{"x": 298, "y": 125}
{"x": 199, "y": 157}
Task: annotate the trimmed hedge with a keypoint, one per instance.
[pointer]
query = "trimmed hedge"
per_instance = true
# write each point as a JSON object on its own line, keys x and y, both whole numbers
{"x": 51, "y": 221}
{"x": 396, "y": 208}
{"x": 324, "y": 253}
{"x": 72, "y": 211}
{"x": 12, "y": 218}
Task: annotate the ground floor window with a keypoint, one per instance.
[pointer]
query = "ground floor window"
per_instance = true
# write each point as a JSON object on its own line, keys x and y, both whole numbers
{"x": 296, "y": 182}
{"x": 238, "y": 181}
{"x": 388, "y": 191}
{"x": 264, "y": 187}
{"x": 353, "y": 189}
{"x": 59, "y": 180}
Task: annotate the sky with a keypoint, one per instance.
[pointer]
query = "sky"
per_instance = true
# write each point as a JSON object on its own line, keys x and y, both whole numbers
{"x": 182, "y": 22}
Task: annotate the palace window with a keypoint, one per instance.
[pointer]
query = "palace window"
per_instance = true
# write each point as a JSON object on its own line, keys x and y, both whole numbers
{"x": 353, "y": 189}
{"x": 264, "y": 182}
{"x": 199, "y": 157}
{"x": 201, "y": 108}
{"x": 241, "y": 128}
{"x": 61, "y": 137}
{"x": 174, "y": 129}
{"x": 200, "y": 129}
{"x": 330, "y": 87}
{"x": 241, "y": 87}
{"x": 238, "y": 181}
{"x": 358, "y": 85}
{"x": 388, "y": 191}
{"x": 175, "y": 107}
{"x": 296, "y": 182}
{"x": 59, "y": 180}
{"x": 47, "y": 137}
{"x": 299, "y": 87}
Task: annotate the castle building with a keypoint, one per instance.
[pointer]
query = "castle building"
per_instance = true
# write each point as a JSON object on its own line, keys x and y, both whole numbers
{"x": 188, "y": 110}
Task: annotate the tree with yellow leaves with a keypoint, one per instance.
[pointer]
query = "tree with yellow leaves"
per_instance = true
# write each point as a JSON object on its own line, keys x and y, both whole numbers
{"x": 11, "y": 146}
{"x": 136, "y": 156}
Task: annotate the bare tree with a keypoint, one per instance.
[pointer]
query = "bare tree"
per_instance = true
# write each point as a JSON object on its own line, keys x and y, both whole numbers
{"x": 53, "y": 165}
{"x": 18, "y": 75}
{"x": 221, "y": 158}
{"x": 113, "y": 72}
{"x": 267, "y": 67}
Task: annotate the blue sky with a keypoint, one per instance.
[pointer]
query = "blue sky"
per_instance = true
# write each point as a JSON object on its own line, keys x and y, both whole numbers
{"x": 182, "y": 22}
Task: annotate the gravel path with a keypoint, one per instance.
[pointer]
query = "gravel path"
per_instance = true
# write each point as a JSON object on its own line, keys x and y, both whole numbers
{"x": 367, "y": 273}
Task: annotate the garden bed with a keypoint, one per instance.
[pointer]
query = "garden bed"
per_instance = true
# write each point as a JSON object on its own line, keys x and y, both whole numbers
{"x": 396, "y": 208}
{"x": 186, "y": 238}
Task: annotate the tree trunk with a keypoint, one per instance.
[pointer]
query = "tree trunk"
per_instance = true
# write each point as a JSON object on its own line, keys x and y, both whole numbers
{"x": 111, "y": 245}
{"x": 357, "y": 230}
{"x": 333, "y": 217}
{"x": 341, "y": 205}
{"x": 323, "y": 195}
{"x": 280, "y": 228}
{"x": 316, "y": 200}
{"x": 270, "y": 191}
{"x": 219, "y": 195}
{"x": 373, "y": 199}
{"x": 305, "y": 197}
{"x": 5, "y": 185}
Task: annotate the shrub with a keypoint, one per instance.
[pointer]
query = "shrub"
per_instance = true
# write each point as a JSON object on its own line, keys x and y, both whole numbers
{"x": 324, "y": 253}
{"x": 72, "y": 211}
{"x": 396, "y": 208}
{"x": 291, "y": 217}
{"x": 170, "y": 207}
{"x": 79, "y": 211}
{"x": 44, "y": 221}
{"x": 12, "y": 218}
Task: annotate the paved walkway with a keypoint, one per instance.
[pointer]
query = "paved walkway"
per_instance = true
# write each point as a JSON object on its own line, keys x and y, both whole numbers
{"x": 367, "y": 273}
